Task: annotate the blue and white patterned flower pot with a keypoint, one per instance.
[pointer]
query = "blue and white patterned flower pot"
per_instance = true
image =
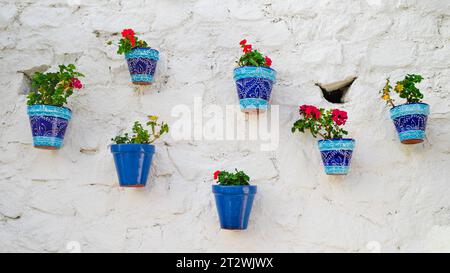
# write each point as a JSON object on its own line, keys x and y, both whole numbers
{"x": 336, "y": 155}
{"x": 254, "y": 86}
{"x": 142, "y": 65}
{"x": 410, "y": 120}
{"x": 48, "y": 125}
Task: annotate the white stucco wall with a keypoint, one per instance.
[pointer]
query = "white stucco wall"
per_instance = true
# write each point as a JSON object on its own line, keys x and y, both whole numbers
{"x": 396, "y": 197}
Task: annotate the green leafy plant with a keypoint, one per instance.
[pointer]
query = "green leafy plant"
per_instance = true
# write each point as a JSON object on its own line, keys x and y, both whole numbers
{"x": 54, "y": 88}
{"x": 142, "y": 135}
{"x": 321, "y": 122}
{"x": 252, "y": 57}
{"x": 224, "y": 178}
{"x": 129, "y": 41}
{"x": 406, "y": 89}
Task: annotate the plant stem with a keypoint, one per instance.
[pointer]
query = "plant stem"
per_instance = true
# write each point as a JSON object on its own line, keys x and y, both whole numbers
{"x": 393, "y": 105}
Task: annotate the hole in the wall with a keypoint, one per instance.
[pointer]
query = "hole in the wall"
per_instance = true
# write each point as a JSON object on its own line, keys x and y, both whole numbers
{"x": 335, "y": 92}
{"x": 27, "y": 74}
{"x": 25, "y": 87}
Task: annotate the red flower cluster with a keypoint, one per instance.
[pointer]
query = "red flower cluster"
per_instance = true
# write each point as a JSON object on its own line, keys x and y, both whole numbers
{"x": 75, "y": 83}
{"x": 216, "y": 174}
{"x": 247, "y": 48}
{"x": 255, "y": 58}
{"x": 129, "y": 34}
{"x": 310, "y": 111}
{"x": 339, "y": 117}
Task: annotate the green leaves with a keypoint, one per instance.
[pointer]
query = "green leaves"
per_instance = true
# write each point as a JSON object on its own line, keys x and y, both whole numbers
{"x": 142, "y": 135}
{"x": 53, "y": 88}
{"x": 121, "y": 139}
{"x": 322, "y": 125}
{"x": 253, "y": 58}
{"x": 125, "y": 45}
{"x": 239, "y": 178}
{"x": 407, "y": 88}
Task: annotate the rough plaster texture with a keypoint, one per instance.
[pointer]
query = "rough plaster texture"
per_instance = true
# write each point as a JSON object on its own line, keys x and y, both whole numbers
{"x": 396, "y": 198}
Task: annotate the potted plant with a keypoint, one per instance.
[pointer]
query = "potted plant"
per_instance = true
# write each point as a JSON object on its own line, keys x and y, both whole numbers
{"x": 335, "y": 150}
{"x": 234, "y": 199}
{"x": 410, "y": 118}
{"x": 140, "y": 57}
{"x": 254, "y": 79}
{"x": 48, "y": 116}
{"x": 133, "y": 154}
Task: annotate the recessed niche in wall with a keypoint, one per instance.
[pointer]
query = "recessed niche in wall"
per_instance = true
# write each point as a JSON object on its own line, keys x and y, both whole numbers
{"x": 27, "y": 74}
{"x": 335, "y": 92}
{"x": 25, "y": 86}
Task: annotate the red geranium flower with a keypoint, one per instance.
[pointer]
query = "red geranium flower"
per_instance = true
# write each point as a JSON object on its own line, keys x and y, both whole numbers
{"x": 132, "y": 41}
{"x": 243, "y": 42}
{"x": 339, "y": 117}
{"x": 310, "y": 111}
{"x": 268, "y": 61}
{"x": 247, "y": 48}
{"x": 129, "y": 34}
{"x": 126, "y": 33}
{"x": 75, "y": 83}
{"x": 216, "y": 174}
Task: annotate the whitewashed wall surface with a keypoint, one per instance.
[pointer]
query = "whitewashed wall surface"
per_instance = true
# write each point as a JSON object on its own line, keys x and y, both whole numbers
{"x": 396, "y": 197}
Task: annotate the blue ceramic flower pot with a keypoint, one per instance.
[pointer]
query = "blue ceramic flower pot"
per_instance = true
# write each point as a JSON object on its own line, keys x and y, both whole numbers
{"x": 132, "y": 163}
{"x": 48, "y": 125}
{"x": 410, "y": 120}
{"x": 142, "y": 65}
{"x": 336, "y": 155}
{"x": 254, "y": 86}
{"x": 234, "y": 204}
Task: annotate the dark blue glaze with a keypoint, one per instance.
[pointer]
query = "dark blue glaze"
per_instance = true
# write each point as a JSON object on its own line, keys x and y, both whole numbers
{"x": 48, "y": 124}
{"x": 254, "y": 86}
{"x": 45, "y": 126}
{"x": 142, "y": 64}
{"x": 336, "y": 155}
{"x": 251, "y": 88}
{"x": 132, "y": 163}
{"x": 410, "y": 121}
{"x": 234, "y": 204}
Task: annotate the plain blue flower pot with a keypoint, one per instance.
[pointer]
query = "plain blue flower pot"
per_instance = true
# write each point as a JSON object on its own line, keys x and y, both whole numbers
{"x": 336, "y": 155}
{"x": 132, "y": 163}
{"x": 254, "y": 86}
{"x": 410, "y": 120}
{"x": 48, "y": 125}
{"x": 142, "y": 65}
{"x": 234, "y": 204}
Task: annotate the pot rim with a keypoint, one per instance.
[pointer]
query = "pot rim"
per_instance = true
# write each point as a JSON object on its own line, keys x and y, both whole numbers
{"x": 48, "y": 105}
{"x": 132, "y": 147}
{"x": 235, "y": 189}
{"x": 336, "y": 139}
{"x": 254, "y": 66}
{"x": 403, "y": 104}
{"x": 146, "y": 48}
{"x": 417, "y": 108}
